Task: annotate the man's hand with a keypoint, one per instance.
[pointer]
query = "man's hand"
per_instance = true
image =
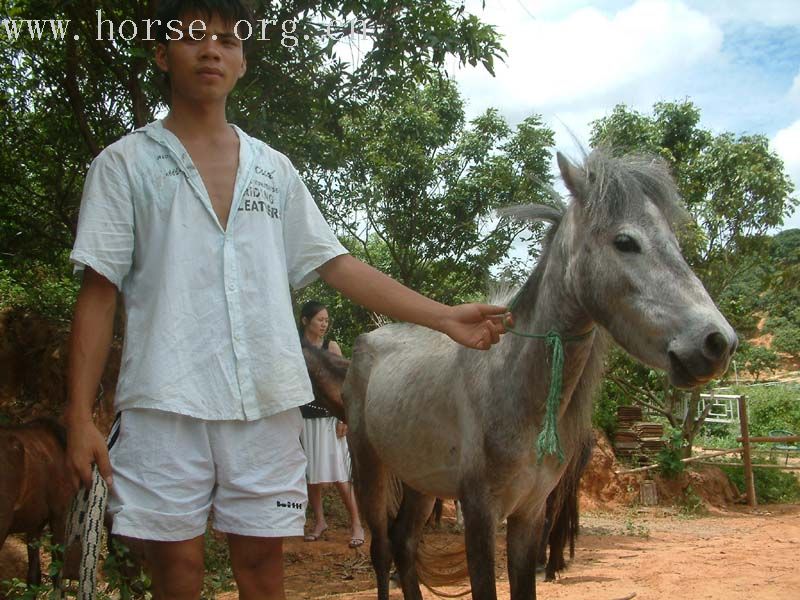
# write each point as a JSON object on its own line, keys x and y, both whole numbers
{"x": 477, "y": 326}
{"x": 341, "y": 429}
{"x": 474, "y": 325}
{"x": 85, "y": 447}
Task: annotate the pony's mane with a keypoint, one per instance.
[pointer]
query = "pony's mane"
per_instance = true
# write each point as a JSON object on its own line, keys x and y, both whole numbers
{"x": 47, "y": 423}
{"x": 504, "y": 292}
{"x": 616, "y": 182}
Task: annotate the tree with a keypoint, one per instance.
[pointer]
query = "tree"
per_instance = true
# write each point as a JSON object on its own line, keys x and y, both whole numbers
{"x": 63, "y": 99}
{"x": 781, "y": 300}
{"x": 415, "y": 194}
{"x": 735, "y": 189}
{"x": 425, "y": 185}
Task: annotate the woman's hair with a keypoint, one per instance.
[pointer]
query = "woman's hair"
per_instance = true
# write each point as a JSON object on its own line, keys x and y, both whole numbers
{"x": 308, "y": 311}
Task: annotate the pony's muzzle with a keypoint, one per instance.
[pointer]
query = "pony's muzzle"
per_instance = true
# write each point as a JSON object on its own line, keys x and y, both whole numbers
{"x": 693, "y": 364}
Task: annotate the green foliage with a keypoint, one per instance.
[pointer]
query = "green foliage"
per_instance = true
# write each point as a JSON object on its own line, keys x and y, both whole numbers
{"x": 45, "y": 289}
{"x": 773, "y": 407}
{"x": 719, "y": 435}
{"x": 123, "y": 574}
{"x": 772, "y": 485}
{"x": 16, "y": 589}
{"x": 117, "y": 581}
{"x": 669, "y": 458}
{"x": 787, "y": 339}
{"x": 417, "y": 188}
{"x": 691, "y": 504}
{"x": 755, "y": 359}
{"x": 62, "y": 101}
{"x": 604, "y": 415}
{"x": 218, "y": 576}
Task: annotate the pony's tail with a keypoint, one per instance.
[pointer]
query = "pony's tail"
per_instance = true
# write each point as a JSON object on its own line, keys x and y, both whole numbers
{"x": 438, "y": 567}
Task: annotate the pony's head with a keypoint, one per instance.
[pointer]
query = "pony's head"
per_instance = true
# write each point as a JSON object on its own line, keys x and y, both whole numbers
{"x": 626, "y": 269}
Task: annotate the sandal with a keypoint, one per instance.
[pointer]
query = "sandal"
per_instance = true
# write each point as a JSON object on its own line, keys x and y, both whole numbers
{"x": 356, "y": 542}
{"x": 314, "y": 537}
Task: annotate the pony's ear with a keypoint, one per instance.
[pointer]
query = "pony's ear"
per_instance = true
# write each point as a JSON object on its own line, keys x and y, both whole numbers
{"x": 574, "y": 178}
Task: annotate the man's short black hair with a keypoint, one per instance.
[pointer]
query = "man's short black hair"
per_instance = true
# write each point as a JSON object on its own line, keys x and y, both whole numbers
{"x": 230, "y": 11}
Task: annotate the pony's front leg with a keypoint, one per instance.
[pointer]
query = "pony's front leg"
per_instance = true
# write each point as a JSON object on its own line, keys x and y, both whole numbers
{"x": 480, "y": 528}
{"x": 522, "y": 536}
{"x": 34, "y": 576}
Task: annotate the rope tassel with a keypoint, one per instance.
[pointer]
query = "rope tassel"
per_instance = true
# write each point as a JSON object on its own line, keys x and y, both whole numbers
{"x": 548, "y": 441}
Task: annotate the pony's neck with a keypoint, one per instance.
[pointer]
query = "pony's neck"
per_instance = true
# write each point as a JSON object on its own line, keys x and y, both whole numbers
{"x": 547, "y": 303}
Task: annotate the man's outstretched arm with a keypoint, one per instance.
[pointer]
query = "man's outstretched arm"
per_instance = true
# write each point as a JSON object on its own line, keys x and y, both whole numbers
{"x": 474, "y": 325}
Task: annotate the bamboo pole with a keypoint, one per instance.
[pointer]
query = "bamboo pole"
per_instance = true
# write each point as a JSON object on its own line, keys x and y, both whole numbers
{"x": 761, "y": 439}
{"x": 749, "y": 481}
{"x": 730, "y": 464}
{"x": 683, "y": 460}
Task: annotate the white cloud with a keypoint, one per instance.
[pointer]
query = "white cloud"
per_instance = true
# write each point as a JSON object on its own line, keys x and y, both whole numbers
{"x": 573, "y": 62}
{"x": 787, "y": 144}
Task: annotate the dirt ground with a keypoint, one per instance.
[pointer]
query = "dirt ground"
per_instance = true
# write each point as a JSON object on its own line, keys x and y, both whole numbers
{"x": 652, "y": 553}
{"x": 656, "y": 553}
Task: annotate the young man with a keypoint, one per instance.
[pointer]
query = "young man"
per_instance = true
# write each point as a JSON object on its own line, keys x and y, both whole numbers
{"x": 203, "y": 229}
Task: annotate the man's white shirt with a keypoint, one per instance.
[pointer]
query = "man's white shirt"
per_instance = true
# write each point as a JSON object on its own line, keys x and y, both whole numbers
{"x": 209, "y": 331}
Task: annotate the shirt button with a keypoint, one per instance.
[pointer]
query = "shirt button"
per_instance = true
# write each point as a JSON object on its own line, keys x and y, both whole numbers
{"x": 231, "y": 286}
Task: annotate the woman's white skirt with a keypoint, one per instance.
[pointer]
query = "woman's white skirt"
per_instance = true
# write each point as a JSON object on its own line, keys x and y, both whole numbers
{"x": 328, "y": 457}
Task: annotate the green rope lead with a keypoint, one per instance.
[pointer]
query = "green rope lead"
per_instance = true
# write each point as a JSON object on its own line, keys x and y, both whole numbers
{"x": 548, "y": 441}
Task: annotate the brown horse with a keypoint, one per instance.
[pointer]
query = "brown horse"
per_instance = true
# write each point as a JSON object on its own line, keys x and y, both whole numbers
{"x": 327, "y": 372}
{"x": 34, "y": 489}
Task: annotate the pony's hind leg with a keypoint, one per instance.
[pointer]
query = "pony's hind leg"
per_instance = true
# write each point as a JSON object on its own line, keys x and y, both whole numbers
{"x": 375, "y": 494}
{"x": 405, "y": 533}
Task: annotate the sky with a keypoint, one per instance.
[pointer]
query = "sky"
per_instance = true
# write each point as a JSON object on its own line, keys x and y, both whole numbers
{"x": 573, "y": 61}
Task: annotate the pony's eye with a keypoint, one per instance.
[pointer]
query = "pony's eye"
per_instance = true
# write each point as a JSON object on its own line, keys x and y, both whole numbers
{"x": 625, "y": 243}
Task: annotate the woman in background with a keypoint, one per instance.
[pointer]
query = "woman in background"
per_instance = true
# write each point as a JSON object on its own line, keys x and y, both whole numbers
{"x": 323, "y": 437}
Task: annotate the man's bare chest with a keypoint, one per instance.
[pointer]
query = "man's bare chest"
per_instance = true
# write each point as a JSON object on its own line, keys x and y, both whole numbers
{"x": 218, "y": 172}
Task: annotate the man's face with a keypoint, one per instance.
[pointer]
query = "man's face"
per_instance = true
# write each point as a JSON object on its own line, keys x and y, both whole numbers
{"x": 205, "y": 64}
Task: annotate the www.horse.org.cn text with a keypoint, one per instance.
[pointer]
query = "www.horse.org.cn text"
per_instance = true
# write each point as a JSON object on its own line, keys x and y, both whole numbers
{"x": 263, "y": 30}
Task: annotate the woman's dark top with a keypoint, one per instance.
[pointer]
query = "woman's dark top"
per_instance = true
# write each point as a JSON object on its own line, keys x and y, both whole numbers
{"x": 314, "y": 410}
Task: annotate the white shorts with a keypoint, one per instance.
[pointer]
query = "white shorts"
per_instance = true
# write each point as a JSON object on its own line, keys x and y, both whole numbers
{"x": 170, "y": 469}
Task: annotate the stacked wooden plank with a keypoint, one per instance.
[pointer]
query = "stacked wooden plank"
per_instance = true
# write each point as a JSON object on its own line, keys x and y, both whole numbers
{"x": 628, "y": 415}
{"x": 626, "y": 441}
{"x": 635, "y": 437}
{"x": 651, "y": 437}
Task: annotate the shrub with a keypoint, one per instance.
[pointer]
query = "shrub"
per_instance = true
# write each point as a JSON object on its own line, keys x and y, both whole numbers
{"x": 604, "y": 415}
{"x": 773, "y": 407}
{"x": 787, "y": 339}
{"x": 756, "y": 359}
{"x": 669, "y": 458}
{"x": 39, "y": 288}
{"x": 772, "y": 485}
